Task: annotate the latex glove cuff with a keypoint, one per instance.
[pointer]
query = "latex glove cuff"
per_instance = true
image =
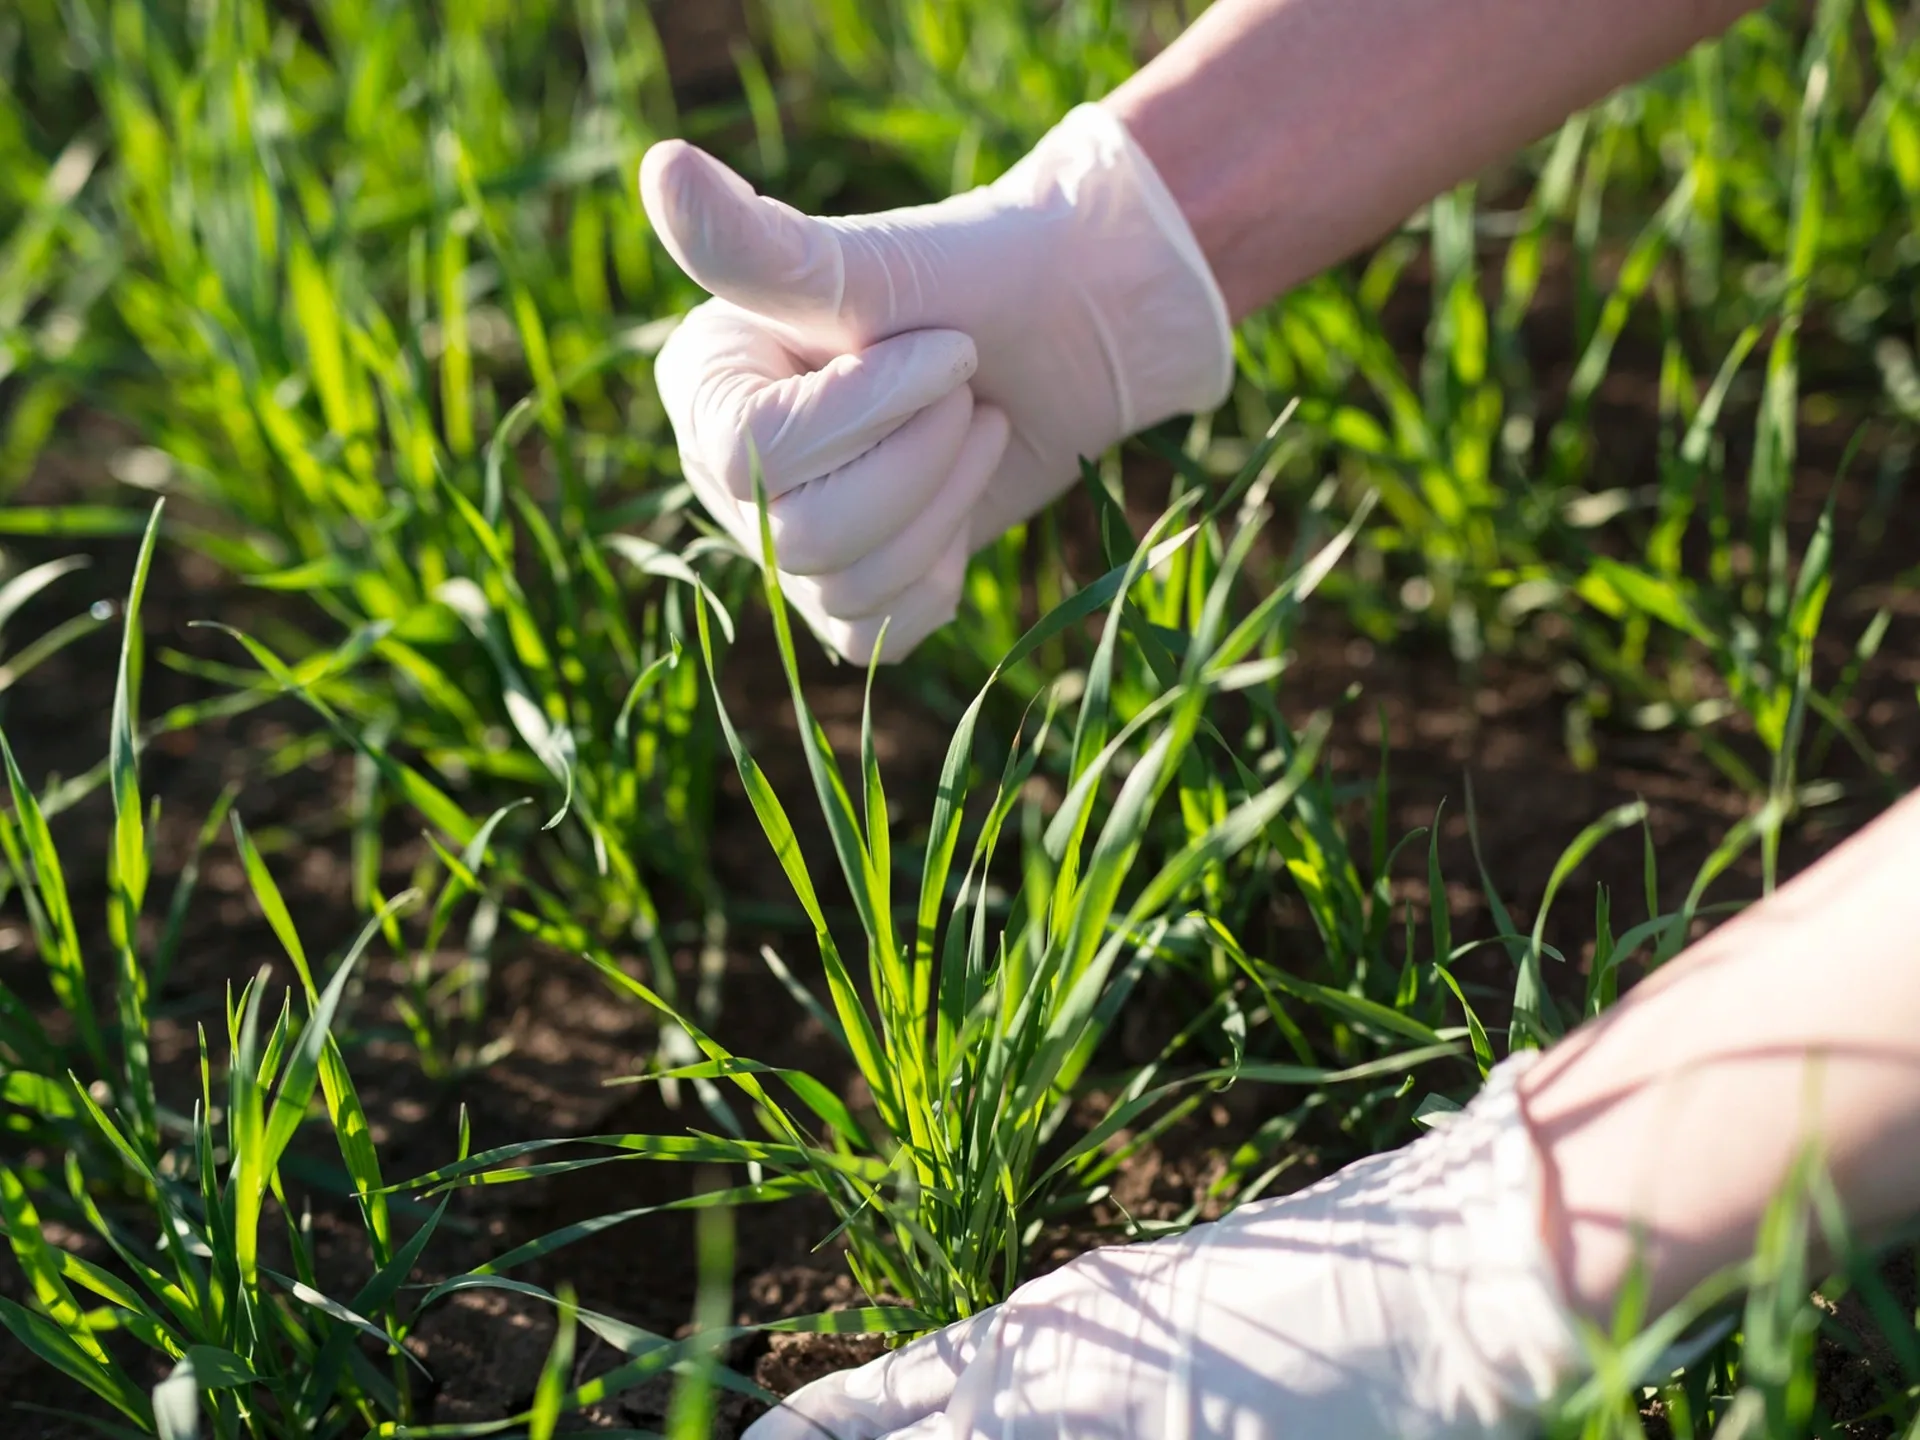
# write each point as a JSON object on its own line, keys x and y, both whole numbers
{"x": 1137, "y": 261}
{"x": 1493, "y": 1297}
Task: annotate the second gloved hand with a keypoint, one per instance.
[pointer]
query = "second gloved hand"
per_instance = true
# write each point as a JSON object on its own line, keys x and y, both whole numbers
{"x": 917, "y": 381}
{"x": 1408, "y": 1297}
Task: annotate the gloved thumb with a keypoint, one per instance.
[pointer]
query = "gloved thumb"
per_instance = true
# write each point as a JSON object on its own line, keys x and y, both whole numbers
{"x": 748, "y": 249}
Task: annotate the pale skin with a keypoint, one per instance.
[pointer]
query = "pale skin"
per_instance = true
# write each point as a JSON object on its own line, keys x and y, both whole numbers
{"x": 1668, "y": 1125}
{"x": 1293, "y": 132}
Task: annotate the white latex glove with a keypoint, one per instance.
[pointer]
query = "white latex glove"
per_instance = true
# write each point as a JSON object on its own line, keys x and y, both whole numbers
{"x": 915, "y": 382}
{"x": 1408, "y": 1297}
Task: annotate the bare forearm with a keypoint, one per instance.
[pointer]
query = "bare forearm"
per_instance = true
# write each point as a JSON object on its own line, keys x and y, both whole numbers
{"x": 1293, "y": 132}
{"x": 1675, "y": 1118}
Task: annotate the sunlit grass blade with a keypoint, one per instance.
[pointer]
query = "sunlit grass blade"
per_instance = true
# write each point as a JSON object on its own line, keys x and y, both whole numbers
{"x": 44, "y": 886}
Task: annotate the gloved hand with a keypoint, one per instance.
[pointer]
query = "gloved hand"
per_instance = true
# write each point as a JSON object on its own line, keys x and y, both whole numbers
{"x": 1408, "y": 1297}
{"x": 915, "y": 382}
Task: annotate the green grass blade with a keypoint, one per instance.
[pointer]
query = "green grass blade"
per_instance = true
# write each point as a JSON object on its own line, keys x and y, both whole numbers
{"x": 548, "y": 1390}
{"x": 1534, "y": 1015}
{"x": 40, "y": 1263}
{"x": 130, "y": 849}
{"x": 57, "y": 932}
{"x": 30, "y": 582}
{"x": 58, "y": 1349}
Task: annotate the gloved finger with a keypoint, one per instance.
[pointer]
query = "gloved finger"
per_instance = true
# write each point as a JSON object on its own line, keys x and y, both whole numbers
{"x": 1023, "y": 485}
{"x": 898, "y": 1390}
{"x": 869, "y": 584}
{"x": 733, "y": 390}
{"x": 842, "y": 518}
{"x": 909, "y": 617}
{"x": 747, "y": 248}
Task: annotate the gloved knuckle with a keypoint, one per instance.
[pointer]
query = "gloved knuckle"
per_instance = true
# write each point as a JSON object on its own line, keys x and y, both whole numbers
{"x": 839, "y": 598}
{"x": 804, "y": 550}
{"x": 754, "y": 429}
{"x": 798, "y": 557}
{"x": 736, "y": 457}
